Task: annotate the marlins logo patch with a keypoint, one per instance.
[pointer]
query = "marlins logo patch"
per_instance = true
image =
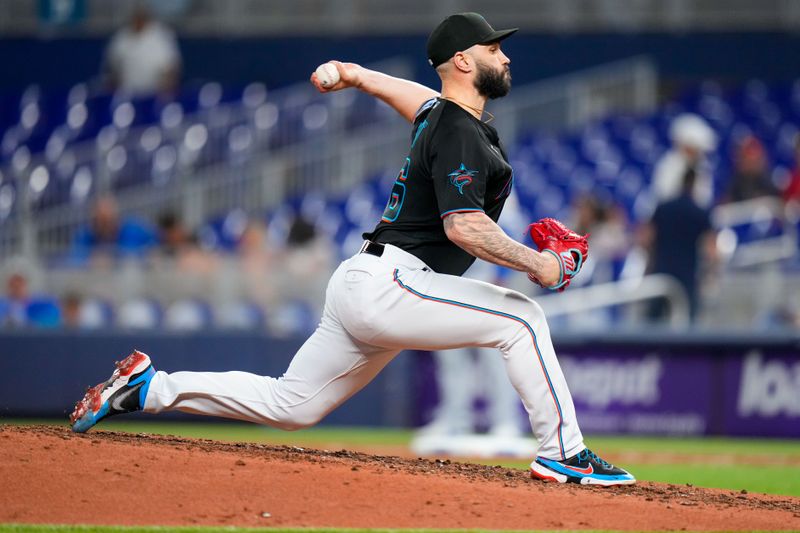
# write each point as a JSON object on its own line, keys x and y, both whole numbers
{"x": 461, "y": 177}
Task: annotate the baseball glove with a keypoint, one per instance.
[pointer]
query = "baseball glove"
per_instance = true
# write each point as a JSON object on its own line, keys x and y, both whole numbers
{"x": 570, "y": 248}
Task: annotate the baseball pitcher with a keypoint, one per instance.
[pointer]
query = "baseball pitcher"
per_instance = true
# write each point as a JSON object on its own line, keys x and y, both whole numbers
{"x": 404, "y": 289}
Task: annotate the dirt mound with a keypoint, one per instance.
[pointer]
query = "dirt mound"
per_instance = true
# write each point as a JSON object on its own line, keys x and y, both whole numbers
{"x": 50, "y": 475}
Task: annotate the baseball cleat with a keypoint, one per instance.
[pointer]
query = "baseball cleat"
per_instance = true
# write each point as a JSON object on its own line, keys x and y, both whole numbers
{"x": 124, "y": 392}
{"x": 585, "y": 468}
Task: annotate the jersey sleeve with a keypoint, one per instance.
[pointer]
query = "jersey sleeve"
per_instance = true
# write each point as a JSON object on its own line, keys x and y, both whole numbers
{"x": 426, "y": 105}
{"x": 459, "y": 171}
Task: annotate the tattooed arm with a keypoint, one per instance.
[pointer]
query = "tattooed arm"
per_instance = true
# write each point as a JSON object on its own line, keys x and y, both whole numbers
{"x": 404, "y": 96}
{"x": 480, "y": 236}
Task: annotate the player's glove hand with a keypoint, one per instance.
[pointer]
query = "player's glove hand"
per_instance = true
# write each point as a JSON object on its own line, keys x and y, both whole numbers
{"x": 569, "y": 248}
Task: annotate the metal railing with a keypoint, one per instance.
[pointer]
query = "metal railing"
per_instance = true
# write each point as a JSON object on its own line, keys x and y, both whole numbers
{"x": 761, "y": 215}
{"x": 627, "y": 291}
{"x": 732, "y": 298}
{"x": 262, "y": 166}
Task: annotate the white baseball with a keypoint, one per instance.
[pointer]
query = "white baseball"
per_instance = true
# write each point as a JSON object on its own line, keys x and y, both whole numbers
{"x": 327, "y": 74}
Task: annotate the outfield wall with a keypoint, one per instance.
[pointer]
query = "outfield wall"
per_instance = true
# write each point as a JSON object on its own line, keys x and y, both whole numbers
{"x": 42, "y": 374}
{"x": 726, "y": 385}
{"x": 642, "y": 384}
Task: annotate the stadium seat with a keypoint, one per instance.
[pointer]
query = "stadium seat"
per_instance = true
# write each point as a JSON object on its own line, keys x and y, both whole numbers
{"x": 293, "y": 318}
{"x": 209, "y": 96}
{"x": 8, "y": 196}
{"x": 360, "y": 207}
{"x": 254, "y": 95}
{"x": 164, "y": 164}
{"x": 146, "y": 141}
{"x": 82, "y": 185}
{"x": 239, "y": 315}
{"x": 44, "y": 312}
{"x": 139, "y": 313}
{"x": 95, "y": 313}
{"x": 188, "y": 315}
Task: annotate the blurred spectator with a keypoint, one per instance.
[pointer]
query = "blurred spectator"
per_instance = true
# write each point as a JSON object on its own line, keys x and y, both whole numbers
{"x": 692, "y": 139}
{"x": 177, "y": 244}
{"x": 304, "y": 264}
{"x": 15, "y": 304}
{"x": 784, "y": 315}
{"x": 143, "y": 57}
{"x": 609, "y": 238}
{"x": 677, "y": 233}
{"x": 751, "y": 176}
{"x": 79, "y": 312}
{"x": 256, "y": 262}
{"x": 792, "y": 192}
{"x": 108, "y": 237}
{"x": 71, "y": 310}
{"x": 183, "y": 276}
{"x": 301, "y": 232}
{"x": 19, "y": 309}
{"x": 254, "y": 248}
{"x": 172, "y": 235}
{"x": 606, "y": 225}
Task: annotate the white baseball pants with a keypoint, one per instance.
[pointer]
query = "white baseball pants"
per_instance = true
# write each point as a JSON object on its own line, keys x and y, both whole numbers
{"x": 375, "y": 307}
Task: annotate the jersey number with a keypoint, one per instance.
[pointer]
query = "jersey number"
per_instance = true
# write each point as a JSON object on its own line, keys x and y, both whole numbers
{"x": 397, "y": 195}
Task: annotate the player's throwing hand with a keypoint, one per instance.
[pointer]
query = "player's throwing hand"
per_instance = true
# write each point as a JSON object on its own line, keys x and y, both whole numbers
{"x": 349, "y": 76}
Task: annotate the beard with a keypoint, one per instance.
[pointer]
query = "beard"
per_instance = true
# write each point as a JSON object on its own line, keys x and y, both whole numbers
{"x": 492, "y": 83}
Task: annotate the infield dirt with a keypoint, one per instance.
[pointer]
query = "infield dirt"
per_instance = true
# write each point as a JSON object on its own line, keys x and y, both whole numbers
{"x": 50, "y": 475}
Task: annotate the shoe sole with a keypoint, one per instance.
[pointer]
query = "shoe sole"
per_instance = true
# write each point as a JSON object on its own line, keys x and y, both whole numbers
{"x": 92, "y": 408}
{"x": 543, "y": 473}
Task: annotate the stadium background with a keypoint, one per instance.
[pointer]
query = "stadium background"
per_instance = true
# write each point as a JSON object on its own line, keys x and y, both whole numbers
{"x": 276, "y": 183}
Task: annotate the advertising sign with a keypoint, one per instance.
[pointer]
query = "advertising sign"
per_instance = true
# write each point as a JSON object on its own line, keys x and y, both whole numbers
{"x": 762, "y": 394}
{"x": 640, "y": 392}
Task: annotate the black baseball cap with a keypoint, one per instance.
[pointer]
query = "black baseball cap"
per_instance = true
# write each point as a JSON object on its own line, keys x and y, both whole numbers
{"x": 459, "y": 32}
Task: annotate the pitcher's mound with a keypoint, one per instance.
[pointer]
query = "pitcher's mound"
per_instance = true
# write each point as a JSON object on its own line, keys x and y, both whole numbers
{"x": 50, "y": 475}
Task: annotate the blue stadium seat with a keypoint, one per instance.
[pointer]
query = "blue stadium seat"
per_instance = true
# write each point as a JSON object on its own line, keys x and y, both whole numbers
{"x": 611, "y": 157}
{"x": 139, "y": 313}
{"x": 95, "y": 313}
{"x": 43, "y": 312}
{"x": 294, "y": 318}
{"x": 8, "y": 197}
{"x": 188, "y": 315}
{"x": 82, "y": 185}
{"x": 240, "y": 315}
{"x": 254, "y": 95}
{"x": 163, "y": 164}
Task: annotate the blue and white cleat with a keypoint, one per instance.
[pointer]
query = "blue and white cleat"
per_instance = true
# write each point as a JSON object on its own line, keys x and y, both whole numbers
{"x": 585, "y": 468}
{"x": 124, "y": 392}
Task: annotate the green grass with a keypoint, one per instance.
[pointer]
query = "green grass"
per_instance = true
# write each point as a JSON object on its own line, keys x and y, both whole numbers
{"x": 782, "y": 480}
{"x": 781, "y": 476}
{"x": 691, "y": 445}
{"x": 767, "y": 479}
{"x": 235, "y": 432}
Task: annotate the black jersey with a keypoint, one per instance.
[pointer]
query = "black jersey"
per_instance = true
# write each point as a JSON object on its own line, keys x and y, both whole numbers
{"x": 456, "y": 164}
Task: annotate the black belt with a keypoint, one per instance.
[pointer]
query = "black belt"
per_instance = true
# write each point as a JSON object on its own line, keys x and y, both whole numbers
{"x": 372, "y": 248}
